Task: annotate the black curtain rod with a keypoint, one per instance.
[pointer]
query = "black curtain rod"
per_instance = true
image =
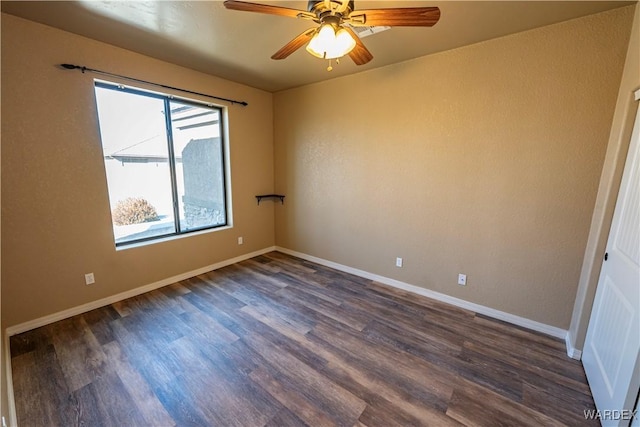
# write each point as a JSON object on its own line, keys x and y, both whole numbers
{"x": 84, "y": 69}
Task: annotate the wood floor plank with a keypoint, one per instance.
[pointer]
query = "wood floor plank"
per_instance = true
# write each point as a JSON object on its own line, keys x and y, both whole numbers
{"x": 131, "y": 305}
{"x": 294, "y": 264}
{"x": 160, "y": 301}
{"x": 285, "y": 418}
{"x": 390, "y": 396}
{"x": 30, "y": 341}
{"x": 319, "y": 307}
{"x": 380, "y": 412}
{"x": 387, "y": 404}
{"x": 209, "y": 289}
{"x": 242, "y": 272}
{"x": 302, "y": 288}
{"x": 79, "y": 352}
{"x": 552, "y": 402}
{"x": 420, "y": 332}
{"x": 337, "y": 402}
{"x": 151, "y": 409}
{"x": 207, "y": 328}
{"x": 267, "y": 306}
{"x": 296, "y": 403}
{"x": 88, "y": 413}
{"x": 553, "y": 346}
{"x": 214, "y": 308}
{"x": 184, "y": 411}
{"x": 434, "y": 307}
{"x": 536, "y": 373}
{"x": 111, "y": 404}
{"x": 99, "y": 321}
{"x": 223, "y": 396}
{"x": 31, "y": 392}
{"x": 146, "y": 356}
{"x": 543, "y": 347}
{"x": 286, "y": 339}
{"x": 399, "y": 369}
{"x": 492, "y": 374}
{"x": 280, "y": 341}
{"x": 175, "y": 290}
{"x": 474, "y": 405}
{"x": 433, "y": 351}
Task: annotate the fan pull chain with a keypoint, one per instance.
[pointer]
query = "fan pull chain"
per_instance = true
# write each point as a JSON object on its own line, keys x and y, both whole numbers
{"x": 329, "y": 68}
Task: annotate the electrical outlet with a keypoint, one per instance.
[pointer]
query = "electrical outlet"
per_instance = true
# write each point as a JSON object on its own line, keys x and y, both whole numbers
{"x": 89, "y": 279}
{"x": 462, "y": 279}
{"x": 398, "y": 262}
{"x": 240, "y": 240}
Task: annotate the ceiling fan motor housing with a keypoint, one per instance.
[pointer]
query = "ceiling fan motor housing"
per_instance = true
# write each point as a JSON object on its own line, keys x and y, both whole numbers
{"x": 318, "y": 5}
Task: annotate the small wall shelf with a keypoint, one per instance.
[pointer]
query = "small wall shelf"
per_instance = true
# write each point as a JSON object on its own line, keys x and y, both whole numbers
{"x": 270, "y": 196}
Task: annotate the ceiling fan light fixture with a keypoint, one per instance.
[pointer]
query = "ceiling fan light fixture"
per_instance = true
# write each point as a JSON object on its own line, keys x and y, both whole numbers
{"x": 328, "y": 43}
{"x": 344, "y": 42}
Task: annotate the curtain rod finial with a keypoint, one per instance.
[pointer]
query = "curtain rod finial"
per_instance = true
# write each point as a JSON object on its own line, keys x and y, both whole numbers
{"x": 69, "y": 66}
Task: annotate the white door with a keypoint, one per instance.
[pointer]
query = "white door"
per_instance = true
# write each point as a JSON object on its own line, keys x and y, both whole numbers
{"x": 612, "y": 347}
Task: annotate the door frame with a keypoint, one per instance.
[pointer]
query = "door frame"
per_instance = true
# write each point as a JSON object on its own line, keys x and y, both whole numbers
{"x": 610, "y": 180}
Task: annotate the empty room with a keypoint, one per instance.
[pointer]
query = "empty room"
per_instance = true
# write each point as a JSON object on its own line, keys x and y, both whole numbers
{"x": 320, "y": 213}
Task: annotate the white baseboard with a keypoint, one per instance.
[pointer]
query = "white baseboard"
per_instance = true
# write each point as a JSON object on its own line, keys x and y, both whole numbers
{"x": 13, "y": 418}
{"x": 572, "y": 352}
{"x": 46, "y": 320}
{"x": 481, "y": 309}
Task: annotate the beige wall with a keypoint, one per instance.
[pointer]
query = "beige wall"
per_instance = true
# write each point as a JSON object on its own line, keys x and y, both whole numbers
{"x": 619, "y": 139}
{"x": 55, "y": 209}
{"x": 484, "y": 160}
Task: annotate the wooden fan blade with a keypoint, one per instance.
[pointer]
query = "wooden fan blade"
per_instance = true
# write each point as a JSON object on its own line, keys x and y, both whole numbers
{"x": 344, "y": 5}
{"x": 396, "y": 17}
{"x": 360, "y": 54}
{"x": 263, "y": 8}
{"x": 294, "y": 44}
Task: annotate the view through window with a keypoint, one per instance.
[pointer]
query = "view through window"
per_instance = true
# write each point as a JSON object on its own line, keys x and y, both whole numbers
{"x": 165, "y": 164}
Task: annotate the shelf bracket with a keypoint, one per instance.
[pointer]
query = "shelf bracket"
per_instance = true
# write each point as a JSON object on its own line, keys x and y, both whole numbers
{"x": 270, "y": 196}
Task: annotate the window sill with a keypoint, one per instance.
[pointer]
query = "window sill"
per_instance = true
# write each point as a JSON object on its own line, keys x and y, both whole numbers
{"x": 170, "y": 238}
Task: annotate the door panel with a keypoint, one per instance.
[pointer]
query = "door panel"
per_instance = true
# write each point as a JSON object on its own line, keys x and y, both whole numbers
{"x": 612, "y": 346}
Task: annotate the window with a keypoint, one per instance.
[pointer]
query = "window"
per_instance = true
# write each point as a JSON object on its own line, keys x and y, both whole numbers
{"x": 165, "y": 163}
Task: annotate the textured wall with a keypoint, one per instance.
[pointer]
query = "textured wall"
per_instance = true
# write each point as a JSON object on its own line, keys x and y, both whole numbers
{"x": 619, "y": 138}
{"x": 483, "y": 160}
{"x": 55, "y": 208}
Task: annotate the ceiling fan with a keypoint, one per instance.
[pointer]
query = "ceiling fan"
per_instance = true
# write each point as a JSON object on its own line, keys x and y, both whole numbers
{"x": 334, "y": 37}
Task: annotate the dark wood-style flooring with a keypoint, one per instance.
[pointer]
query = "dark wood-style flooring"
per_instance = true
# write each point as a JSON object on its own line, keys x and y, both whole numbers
{"x": 278, "y": 341}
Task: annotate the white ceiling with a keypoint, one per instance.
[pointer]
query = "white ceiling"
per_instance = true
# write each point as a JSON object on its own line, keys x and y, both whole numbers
{"x": 205, "y": 36}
